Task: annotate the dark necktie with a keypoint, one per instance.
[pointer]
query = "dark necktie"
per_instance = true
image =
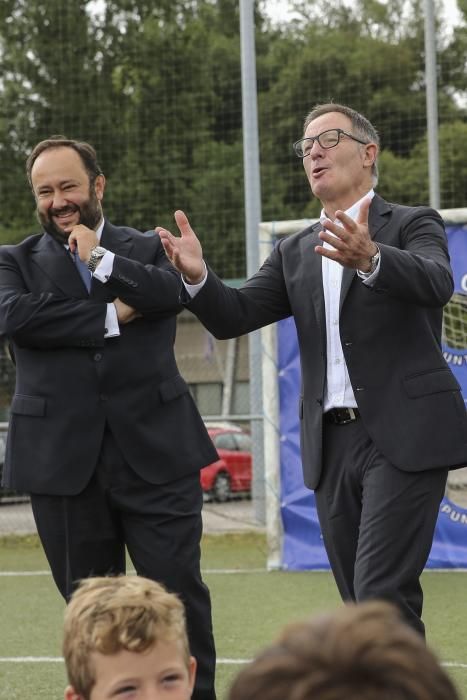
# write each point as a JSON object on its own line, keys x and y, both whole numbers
{"x": 83, "y": 270}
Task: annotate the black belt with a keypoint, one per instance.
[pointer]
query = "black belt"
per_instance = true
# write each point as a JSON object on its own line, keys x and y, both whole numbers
{"x": 341, "y": 416}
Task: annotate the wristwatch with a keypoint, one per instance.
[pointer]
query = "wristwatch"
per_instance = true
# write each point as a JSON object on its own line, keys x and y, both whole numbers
{"x": 96, "y": 254}
{"x": 374, "y": 260}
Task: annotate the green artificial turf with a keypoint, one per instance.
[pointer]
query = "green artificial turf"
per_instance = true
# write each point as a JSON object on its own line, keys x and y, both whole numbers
{"x": 250, "y": 605}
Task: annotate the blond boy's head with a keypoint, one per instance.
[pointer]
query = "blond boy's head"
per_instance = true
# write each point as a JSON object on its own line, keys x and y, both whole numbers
{"x": 114, "y": 614}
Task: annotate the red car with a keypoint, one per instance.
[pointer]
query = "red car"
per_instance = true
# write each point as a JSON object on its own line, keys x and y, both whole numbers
{"x": 231, "y": 474}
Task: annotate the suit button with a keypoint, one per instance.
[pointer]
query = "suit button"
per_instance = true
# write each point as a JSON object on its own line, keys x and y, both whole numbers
{"x": 98, "y": 357}
{"x": 103, "y": 397}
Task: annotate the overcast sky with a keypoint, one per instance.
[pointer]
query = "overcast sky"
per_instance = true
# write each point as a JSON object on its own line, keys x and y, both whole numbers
{"x": 280, "y": 10}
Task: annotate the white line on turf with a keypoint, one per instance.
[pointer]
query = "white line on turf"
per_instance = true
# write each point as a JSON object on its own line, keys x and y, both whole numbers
{"x": 204, "y": 571}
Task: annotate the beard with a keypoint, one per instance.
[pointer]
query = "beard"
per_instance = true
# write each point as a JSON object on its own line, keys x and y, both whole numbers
{"x": 90, "y": 214}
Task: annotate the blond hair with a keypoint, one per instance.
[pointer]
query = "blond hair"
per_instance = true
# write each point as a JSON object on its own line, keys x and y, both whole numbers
{"x": 113, "y": 613}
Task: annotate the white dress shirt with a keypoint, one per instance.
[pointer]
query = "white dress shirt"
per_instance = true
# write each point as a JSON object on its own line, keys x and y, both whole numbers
{"x": 338, "y": 391}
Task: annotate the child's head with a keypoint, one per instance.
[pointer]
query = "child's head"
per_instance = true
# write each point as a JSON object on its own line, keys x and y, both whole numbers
{"x": 125, "y": 636}
{"x": 363, "y": 651}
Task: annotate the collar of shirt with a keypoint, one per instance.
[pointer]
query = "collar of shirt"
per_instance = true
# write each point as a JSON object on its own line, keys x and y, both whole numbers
{"x": 351, "y": 211}
{"x": 99, "y": 230}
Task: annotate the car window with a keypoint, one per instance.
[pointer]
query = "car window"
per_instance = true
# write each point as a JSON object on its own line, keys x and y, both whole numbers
{"x": 225, "y": 441}
{"x": 243, "y": 442}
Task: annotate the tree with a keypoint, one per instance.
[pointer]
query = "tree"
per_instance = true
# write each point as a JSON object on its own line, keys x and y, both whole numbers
{"x": 156, "y": 88}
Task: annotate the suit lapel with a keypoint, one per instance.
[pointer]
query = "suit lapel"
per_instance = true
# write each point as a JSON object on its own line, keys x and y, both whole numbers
{"x": 118, "y": 241}
{"x": 378, "y": 217}
{"x": 312, "y": 264}
{"x": 57, "y": 264}
{"x": 348, "y": 276}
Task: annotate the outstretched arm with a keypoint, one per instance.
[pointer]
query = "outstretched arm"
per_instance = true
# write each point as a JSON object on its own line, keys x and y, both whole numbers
{"x": 184, "y": 252}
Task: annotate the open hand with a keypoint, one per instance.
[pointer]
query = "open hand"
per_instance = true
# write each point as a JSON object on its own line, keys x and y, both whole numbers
{"x": 351, "y": 243}
{"x": 184, "y": 252}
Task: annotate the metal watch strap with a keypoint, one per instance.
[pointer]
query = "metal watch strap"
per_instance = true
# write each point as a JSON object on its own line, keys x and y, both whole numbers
{"x": 374, "y": 261}
{"x": 96, "y": 254}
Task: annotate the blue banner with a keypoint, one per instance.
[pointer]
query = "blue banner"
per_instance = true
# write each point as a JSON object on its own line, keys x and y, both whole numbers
{"x": 457, "y": 358}
{"x": 302, "y": 543}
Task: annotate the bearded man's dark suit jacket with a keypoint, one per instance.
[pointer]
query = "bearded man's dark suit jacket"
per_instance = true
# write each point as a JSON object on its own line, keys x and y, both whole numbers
{"x": 72, "y": 384}
{"x": 410, "y": 402}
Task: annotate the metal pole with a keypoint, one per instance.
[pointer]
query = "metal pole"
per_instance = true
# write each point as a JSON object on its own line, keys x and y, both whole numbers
{"x": 252, "y": 221}
{"x": 229, "y": 377}
{"x": 250, "y": 133}
{"x": 271, "y": 427}
{"x": 431, "y": 104}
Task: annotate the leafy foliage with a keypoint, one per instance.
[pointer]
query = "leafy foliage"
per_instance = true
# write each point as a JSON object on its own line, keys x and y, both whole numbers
{"x": 156, "y": 88}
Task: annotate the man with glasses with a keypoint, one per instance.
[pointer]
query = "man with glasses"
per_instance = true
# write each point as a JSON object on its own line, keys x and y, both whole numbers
{"x": 382, "y": 418}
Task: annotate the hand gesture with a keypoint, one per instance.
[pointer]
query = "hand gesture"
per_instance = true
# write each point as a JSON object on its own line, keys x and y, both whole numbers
{"x": 82, "y": 239}
{"x": 185, "y": 252}
{"x": 351, "y": 243}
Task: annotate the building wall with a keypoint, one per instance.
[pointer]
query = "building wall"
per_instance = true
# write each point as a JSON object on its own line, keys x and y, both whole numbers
{"x": 203, "y": 362}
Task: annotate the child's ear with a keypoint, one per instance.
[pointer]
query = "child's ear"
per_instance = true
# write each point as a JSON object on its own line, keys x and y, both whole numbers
{"x": 71, "y": 694}
{"x": 191, "y": 671}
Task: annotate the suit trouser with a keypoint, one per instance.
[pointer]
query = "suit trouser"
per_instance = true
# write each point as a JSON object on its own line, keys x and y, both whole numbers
{"x": 161, "y": 526}
{"x": 377, "y": 521}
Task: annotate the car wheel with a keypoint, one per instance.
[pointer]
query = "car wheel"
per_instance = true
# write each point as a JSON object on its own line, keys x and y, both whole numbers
{"x": 221, "y": 489}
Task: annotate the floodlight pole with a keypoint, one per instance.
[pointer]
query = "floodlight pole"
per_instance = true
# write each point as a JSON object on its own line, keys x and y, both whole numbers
{"x": 431, "y": 105}
{"x": 252, "y": 200}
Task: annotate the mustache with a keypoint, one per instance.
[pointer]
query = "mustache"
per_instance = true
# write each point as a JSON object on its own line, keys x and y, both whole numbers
{"x": 67, "y": 209}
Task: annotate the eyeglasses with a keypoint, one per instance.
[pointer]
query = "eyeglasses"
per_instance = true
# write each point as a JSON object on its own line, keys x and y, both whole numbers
{"x": 326, "y": 139}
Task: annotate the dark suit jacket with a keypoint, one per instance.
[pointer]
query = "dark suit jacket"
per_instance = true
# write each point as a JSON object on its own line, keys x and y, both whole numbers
{"x": 410, "y": 401}
{"x": 70, "y": 381}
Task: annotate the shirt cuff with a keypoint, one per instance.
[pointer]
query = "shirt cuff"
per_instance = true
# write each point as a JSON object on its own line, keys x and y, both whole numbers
{"x": 369, "y": 278}
{"x": 105, "y": 267}
{"x": 193, "y": 289}
{"x": 112, "y": 329}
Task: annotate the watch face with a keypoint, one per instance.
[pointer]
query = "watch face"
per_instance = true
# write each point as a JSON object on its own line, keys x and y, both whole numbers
{"x": 97, "y": 253}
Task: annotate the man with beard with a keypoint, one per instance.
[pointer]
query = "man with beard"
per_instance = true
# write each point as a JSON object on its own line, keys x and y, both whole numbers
{"x": 103, "y": 433}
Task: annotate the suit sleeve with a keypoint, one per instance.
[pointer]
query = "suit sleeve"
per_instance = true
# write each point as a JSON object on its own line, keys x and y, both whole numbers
{"x": 45, "y": 320}
{"x": 418, "y": 271}
{"x": 152, "y": 288}
{"x": 228, "y": 312}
